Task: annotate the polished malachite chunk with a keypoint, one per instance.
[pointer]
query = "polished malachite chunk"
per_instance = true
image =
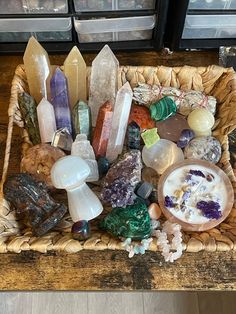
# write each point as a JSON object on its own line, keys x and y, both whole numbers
{"x": 163, "y": 109}
{"x": 132, "y": 221}
{"x": 27, "y": 106}
{"x": 81, "y": 118}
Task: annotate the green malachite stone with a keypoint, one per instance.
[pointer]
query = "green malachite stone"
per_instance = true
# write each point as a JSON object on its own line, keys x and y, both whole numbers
{"x": 132, "y": 221}
{"x": 81, "y": 117}
{"x": 27, "y": 106}
{"x": 163, "y": 109}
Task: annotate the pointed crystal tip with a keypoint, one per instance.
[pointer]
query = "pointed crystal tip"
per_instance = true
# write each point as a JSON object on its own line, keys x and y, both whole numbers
{"x": 74, "y": 57}
{"x": 58, "y": 75}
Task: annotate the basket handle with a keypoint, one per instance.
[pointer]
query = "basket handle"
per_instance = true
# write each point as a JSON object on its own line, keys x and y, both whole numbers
{"x": 17, "y": 85}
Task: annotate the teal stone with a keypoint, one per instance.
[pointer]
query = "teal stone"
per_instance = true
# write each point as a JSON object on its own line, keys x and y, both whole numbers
{"x": 81, "y": 118}
{"x": 163, "y": 109}
{"x": 27, "y": 106}
{"x": 133, "y": 221}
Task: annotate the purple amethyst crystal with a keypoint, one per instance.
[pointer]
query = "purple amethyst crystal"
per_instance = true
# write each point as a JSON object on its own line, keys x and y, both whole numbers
{"x": 169, "y": 202}
{"x": 186, "y": 195}
{"x": 197, "y": 173}
{"x": 60, "y": 100}
{"x": 119, "y": 193}
{"x": 185, "y": 137}
{"x": 210, "y": 210}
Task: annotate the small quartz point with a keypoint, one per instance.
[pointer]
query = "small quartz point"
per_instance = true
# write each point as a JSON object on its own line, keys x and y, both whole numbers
{"x": 37, "y": 68}
{"x": 104, "y": 81}
{"x": 28, "y": 111}
{"x": 46, "y": 120}
{"x": 81, "y": 116}
{"x": 75, "y": 72}
{"x": 83, "y": 149}
{"x": 102, "y": 129}
{"x": 62, "y": 139}
{"x": 60, "y": 100}
{"x": 119, "y": 122}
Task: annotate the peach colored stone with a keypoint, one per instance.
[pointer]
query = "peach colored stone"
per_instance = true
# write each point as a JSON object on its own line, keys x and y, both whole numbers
{"x": 154, "y": 211}
{"x": 39, "y": 160}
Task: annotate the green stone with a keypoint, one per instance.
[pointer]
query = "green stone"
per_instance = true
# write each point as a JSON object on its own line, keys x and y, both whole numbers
{"x": 132, "y": 221}
{"x": 27, "y": 106}
{"x": 150, "y": 137}
{"x": 81, "y": 118}
{"x": 163, "y": 109}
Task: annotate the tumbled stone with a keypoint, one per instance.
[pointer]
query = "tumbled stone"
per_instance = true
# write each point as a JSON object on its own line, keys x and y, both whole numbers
{"x": 145, "y": 190}
{"x": 39, "y": 160}
{"x": 171, "y": 128}
{"x": 185, "y": 137}
{"x": 141, "y": 116}
{"x": 204, "y": 147}
{"x": 154, "y": 211}
{"x": 32, "y": 203}
{"x": 103, "y": 166}
{"x": 81, "y": 230}
{"x": 163, "y": 109}
{"x": 128, "y": 166}
{"x": 150, "y": 175}
{"x": 130, "y": 222}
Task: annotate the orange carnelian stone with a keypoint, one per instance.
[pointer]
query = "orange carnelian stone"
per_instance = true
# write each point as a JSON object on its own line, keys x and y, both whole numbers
{"x": 141, "y": 116}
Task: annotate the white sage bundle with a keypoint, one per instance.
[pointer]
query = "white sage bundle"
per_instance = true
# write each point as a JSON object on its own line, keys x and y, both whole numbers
{"x": 186, "y": 102}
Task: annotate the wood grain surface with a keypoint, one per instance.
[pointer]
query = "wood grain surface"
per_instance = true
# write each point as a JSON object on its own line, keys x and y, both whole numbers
{"x": 109, "y": 270}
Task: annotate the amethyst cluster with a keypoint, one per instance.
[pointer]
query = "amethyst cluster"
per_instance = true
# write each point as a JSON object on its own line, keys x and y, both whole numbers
{"x": 210, "y": 210}
{"x": 119, "y": 193}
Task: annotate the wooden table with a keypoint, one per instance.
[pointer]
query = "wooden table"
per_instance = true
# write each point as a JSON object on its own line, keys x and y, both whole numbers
{"x": 109, "y": 270}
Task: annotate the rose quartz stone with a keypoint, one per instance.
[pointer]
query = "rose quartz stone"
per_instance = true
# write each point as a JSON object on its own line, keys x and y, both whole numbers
{"x": 154, "y": 211}
{"x": 39, "y": 160}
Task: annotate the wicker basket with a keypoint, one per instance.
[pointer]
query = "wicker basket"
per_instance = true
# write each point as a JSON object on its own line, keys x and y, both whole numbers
{"x": 212, "y": 80}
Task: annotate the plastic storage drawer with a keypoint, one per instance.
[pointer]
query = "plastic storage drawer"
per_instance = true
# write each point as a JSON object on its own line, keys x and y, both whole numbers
{"x": 212, "y": 5}
{"x": 209, "y": 26}
{"x": 112, "y": 5}
{"x": 33, "y": 6}
{"x": 115, "y": 29}
{"x": 44, "y": 29}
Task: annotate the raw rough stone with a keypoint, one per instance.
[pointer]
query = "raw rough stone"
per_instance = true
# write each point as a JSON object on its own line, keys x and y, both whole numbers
{"x": 32, "y": 203}
{"x": 141, "y": 116}
{"x": 205, "y": 148}
{"x": 130, "y": 222}
{"x": 28, "y": 111}
{"x": 129, "y": 167}
{"x": 150, "y": 137}
{"x": 39, "y": 160}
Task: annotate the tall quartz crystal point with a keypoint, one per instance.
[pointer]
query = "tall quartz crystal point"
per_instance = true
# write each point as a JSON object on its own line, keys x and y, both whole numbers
{"x": 46, "y": 120}
{"x": 37, "y": 68}
{"x": 103, "y": 81}
{"x": 119, "y": 122}
{"x": 102, "y": 129}
{"x": 60, "y": 100}
{"x": 75, "y": 72}
{"x": 83, "y": 149}
{"x": 81, "y": 116}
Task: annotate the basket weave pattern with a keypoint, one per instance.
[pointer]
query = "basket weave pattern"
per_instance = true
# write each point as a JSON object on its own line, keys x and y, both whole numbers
{"x": 213, "y": 80}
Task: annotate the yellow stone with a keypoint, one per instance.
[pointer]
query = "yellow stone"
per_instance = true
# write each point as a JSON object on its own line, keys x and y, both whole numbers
{"x": 75, "y": 72}
{"x": 37, "y": 68}
{"x": 201, "y": 121}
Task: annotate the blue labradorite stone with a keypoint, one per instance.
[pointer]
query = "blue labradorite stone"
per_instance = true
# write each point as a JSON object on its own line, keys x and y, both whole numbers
{"x": 132, "y": 221}
{"x": 103, "y": 166}
{"x": 80, "y": 230}
{"x": 163, "y": 109}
